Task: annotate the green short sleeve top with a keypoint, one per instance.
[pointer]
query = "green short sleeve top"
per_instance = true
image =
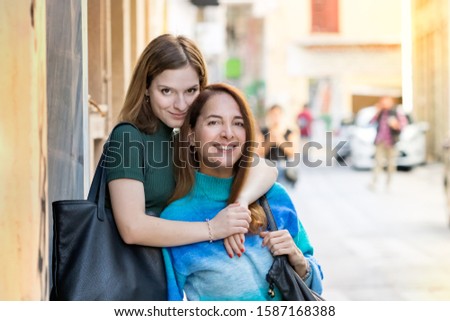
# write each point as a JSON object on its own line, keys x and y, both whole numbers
{"x": 146, "y": 158}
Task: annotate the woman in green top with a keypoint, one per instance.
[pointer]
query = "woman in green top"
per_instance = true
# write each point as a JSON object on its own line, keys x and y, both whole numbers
{"x": 168, "y": 76}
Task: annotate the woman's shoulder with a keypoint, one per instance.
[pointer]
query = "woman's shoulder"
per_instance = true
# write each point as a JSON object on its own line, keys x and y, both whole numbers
{"x": 125, "y": 130}
{"x": 282, "y": 207}
{"x": 125, "y": 139}
{"x": 277, "y": 192}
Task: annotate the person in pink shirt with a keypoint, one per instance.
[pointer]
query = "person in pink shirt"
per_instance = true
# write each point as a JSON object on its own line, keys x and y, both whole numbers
{"x": 390, "y": 121}
{"x": 304, "y": 121}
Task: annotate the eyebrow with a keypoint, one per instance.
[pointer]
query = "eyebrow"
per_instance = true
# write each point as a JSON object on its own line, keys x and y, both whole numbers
{"x": 218, "y": 116}
{"x": 171, "y": 87}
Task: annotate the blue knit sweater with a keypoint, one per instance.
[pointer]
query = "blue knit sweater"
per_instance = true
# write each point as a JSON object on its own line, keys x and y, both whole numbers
{"x": 204, "y": 271}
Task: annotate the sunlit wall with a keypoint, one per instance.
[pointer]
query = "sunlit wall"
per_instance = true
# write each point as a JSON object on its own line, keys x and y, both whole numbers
{"x": 431, "y": 56}
{"x": 23, "y": 151}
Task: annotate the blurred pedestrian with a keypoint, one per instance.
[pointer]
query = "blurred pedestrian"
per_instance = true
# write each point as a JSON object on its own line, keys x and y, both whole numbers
{"x": 304, "y": 122}
{"x": 281, "y": 145}
{"x": 390, "y": 121}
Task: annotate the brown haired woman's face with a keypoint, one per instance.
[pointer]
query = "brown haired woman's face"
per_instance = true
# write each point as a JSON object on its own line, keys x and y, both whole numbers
{"x": 172, "y": 92}
{"x": 220, "y": 135}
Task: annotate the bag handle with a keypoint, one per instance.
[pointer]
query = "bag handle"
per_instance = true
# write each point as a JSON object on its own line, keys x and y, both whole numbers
{"x": 97, "y": 191}
{"x": 310, "y": 294}
{"x": 270, "y": 219}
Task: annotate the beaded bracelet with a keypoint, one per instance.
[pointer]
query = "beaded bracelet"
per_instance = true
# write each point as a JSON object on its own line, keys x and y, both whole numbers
{"x": 209, "y": 231}
{"x": 308, "y": 272}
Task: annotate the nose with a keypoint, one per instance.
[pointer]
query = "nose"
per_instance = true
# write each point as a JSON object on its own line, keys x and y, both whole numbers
{"x": 227, "y": 131}
{"x": 181, "y": 103}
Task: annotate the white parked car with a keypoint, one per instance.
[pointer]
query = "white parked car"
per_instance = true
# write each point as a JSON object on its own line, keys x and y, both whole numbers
{"x": 411, "y": 146}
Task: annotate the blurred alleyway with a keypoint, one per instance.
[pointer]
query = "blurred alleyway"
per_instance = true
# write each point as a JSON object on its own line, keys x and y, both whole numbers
{"x": 377, "y": 245}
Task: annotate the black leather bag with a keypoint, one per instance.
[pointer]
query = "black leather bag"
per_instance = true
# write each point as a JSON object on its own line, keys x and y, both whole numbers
{"x": 281, "y": 275}
{"x": 90, "y": 260}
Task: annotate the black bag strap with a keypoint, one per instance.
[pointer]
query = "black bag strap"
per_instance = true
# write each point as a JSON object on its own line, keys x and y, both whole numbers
{"x": 272, "y": 225}
{"x": 97, "y": 191}
{"x": 308, "y": 294}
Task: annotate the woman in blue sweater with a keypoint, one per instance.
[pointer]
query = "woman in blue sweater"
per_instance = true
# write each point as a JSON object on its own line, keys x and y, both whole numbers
{"x": 213, "y": 160}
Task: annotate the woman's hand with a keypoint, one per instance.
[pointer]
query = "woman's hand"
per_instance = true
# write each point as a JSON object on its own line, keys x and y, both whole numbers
{"x": 281, "y": 243}
{"x": 234, "y": 244}
{"x": 233, "y": 219}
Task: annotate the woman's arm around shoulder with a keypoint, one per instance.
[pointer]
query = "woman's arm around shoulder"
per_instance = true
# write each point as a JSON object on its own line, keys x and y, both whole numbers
{"x": 135, "y": 227}
{"x": 261, "y": 177}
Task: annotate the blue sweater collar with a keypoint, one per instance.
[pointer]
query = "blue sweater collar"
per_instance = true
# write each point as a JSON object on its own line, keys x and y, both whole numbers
{"x": 211, "y": 187}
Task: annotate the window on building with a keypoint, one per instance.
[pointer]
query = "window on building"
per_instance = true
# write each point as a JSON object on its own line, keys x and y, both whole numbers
{"x": 324, "y": 16}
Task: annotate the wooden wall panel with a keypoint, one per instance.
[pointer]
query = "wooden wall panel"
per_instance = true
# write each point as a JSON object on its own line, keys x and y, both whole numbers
{"x": 68, "y": 144}
{"x": 23, "y": 151}
{"x": 66, "y": 101}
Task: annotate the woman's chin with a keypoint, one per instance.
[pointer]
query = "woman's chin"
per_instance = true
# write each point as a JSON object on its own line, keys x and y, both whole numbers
{"x": 175, "y": 123}
{"x": 224, "y": 162}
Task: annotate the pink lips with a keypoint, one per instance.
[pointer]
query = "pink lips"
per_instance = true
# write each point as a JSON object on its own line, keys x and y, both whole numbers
{"x": 179, "y": 116}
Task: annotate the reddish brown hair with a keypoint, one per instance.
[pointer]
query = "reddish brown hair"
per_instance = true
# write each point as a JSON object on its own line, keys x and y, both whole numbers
{"x": 186, "y": 161}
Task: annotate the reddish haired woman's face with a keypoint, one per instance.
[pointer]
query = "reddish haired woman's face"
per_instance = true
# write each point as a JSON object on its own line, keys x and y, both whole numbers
{"x": 172, "y": 92}
{"x": 219, "y": 135}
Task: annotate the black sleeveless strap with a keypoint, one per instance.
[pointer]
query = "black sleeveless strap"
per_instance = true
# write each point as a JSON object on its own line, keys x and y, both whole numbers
{"x": 98, "y": 187}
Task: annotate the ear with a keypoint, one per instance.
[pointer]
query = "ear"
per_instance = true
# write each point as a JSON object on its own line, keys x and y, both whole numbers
{"x": 146, "y": 92}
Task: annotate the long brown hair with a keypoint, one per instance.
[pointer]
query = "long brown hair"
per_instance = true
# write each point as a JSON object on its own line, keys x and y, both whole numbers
{"x": 164, "y": 52}
{"x": 186, "y": 160}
